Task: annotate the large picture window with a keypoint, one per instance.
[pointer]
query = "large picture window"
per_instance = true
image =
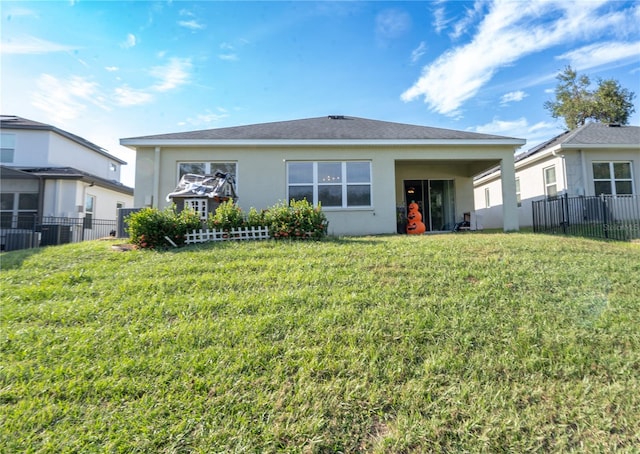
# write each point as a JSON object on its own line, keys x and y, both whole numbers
{"x": 333, "y": 184}
{"x": 612, "y": 178}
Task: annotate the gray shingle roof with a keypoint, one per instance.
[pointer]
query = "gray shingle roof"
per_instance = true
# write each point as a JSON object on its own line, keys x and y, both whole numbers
{"x": 332, "y": 127}
{"x": 69, "y": 173}
{"x": 14, "y": 122}
{"x": 590, "y": 134}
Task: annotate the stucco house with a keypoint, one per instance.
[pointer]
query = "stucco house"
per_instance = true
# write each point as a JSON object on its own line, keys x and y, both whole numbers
{"x": 47, "y": 172}
{"x": 362, "y": 171}
{"x": 591, "y": 160}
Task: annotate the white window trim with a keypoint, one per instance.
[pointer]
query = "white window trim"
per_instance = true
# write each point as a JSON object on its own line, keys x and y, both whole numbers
{"x": 8, "y": 145}
{"x": 487, "y": 198}
{"x": 344, "y": 184}
{"x": 200, "y": 206}
{"x": 612, "y": 176}
{"x": 547, "y": 184}
{"x": 518, "y": 192}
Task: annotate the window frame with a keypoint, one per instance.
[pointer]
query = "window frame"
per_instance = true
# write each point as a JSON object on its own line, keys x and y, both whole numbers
{"x": 548, "y": 184}
{"x": 518, "y": 193}
{"x": 16, "y": 211}
{"x": 7, "y": 147}
{"x": 342, "y": 181}
{"x": 199, "y": 205}
{"x": 612, "y": 180}
{"x": 89, "y": 211}
{"x": 487, "y": 198}
{"x": 210, "y": 167}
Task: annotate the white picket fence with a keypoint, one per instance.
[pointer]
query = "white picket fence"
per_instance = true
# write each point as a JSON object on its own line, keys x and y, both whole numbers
{"x": 242, "y": 233}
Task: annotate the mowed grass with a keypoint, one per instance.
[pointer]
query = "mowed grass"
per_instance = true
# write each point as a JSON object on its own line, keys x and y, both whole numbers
{"x": 445, "y": 343}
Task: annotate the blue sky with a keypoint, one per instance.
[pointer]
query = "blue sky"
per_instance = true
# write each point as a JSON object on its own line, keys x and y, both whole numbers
{"x": 109, "y": 69}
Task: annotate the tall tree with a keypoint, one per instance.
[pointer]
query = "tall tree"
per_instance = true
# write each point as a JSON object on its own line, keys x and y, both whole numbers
{"x": 576, "y": 103}
{"x": 613, "y": 104}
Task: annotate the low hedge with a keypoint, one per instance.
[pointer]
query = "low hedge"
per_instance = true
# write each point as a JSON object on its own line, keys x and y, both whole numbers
{"x": 149, "y": 227}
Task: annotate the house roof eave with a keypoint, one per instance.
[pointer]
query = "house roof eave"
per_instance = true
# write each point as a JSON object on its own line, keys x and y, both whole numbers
{"x": 593, "y": 146}
{"x": 133, "y": 143}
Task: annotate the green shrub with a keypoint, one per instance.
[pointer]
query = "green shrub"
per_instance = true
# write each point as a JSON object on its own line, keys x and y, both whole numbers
{"x": 298, "y": 219}
{"x": 149, "y": 226}
{"x": 228, "y": 216}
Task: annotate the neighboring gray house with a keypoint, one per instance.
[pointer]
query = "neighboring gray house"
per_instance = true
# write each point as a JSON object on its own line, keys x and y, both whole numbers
{"x": 593, "y": 159}
{"x": 363, "y": 172}
{"x": 48, "y": 172}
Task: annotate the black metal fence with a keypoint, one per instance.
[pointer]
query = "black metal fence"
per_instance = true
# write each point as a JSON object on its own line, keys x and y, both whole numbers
{"x": 29, "y": 231}
{"x": 606, "y": 216}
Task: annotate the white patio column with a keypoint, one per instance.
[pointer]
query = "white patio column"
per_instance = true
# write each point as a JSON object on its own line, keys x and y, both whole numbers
{"x": 156, "y": 178}
{"x": 510, "y": 221}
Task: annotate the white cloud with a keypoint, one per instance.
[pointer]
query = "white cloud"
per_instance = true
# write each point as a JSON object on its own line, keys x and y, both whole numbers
{"x": 598, "y": 54}
{"x": 129, "y": 42}
{"x": 176, "y": 73}
{"x": 191, "y": 24}
{"x": 521, "y": 129}
{"x": 112, "y": 68}
{"x": 392, "y": 23}
{"x": 440, "y": 22}
{"x": 67, "y": 99}
{"x": 32, "y": 45}
{"x": 471, "y": 15}
{"x": 228, "y": 57}
{"x": 513, "y": 96}
{"x": 508, "y": 32}
{"x": 418, "y": 52}
{"x": 16, "y": 11}
{"x": 204, "y": 119}
{"x": 127, "y": 97}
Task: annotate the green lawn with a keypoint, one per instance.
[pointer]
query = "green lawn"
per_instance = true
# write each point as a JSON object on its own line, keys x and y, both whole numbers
{"x": 445, "y": 343}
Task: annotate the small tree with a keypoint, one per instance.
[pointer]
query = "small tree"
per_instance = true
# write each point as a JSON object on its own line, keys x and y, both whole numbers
{"x": 576, "y": 103}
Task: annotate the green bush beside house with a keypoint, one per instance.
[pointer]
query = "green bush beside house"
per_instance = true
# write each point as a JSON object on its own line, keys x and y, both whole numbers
{"x": 149, "y": 227}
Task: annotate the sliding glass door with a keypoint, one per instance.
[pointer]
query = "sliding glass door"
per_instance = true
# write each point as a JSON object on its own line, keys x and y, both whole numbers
{"x": 436, "y": 201}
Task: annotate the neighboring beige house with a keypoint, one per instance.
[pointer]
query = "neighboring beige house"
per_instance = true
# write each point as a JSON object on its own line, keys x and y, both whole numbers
{"x": 591, "y": 160}
{"x": 361, "y": 171}
{"x": 50, "y": 173}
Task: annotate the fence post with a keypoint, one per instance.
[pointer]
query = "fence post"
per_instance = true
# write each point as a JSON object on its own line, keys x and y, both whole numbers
{"x": 564, "y": 204}
{"x": 605, "y": 219}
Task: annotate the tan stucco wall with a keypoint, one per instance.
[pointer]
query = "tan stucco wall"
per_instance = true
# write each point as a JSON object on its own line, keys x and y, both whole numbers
{"x": 261, "y": 176}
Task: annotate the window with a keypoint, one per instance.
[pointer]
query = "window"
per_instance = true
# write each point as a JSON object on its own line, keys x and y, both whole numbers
{"x": 205, "y": 168}
{"x": 7, "y": 147}
{"x": 17, "y": 210}
{"x": 338, "y": 184}
{"x": 112, "y": 167}
{"x": 550, "y": 183}
{"x": 518, "y": 196}
{"x": 197, "y": 205}
{"x": 614, "y": 178}
{"x": 89, "y": 207}
{"x": 487, "y": 198}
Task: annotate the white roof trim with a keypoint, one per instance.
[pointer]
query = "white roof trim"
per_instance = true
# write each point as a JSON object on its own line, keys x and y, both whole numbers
{"x": 578, "y": 146}
{"x": 314, "y": 142}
